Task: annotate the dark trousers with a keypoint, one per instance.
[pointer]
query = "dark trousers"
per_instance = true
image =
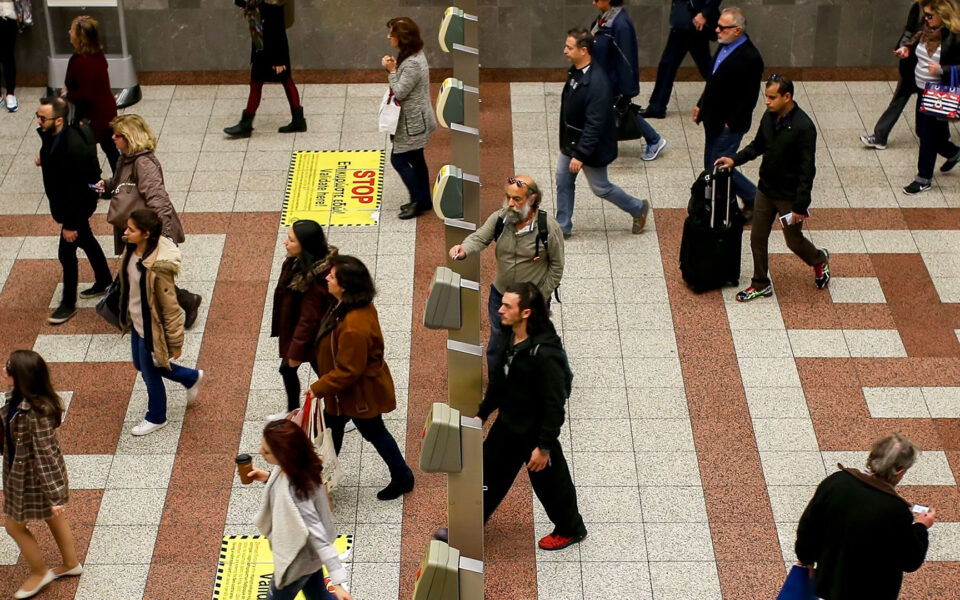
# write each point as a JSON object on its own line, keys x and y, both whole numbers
{"x": 312, "y": 586}
{"x": 110, "y": 150}
{"x": 374, "y": 431}
{"x": 765, "y": 211}
{"x": 934, "y": 137}
{"x": 496, "y": 331}
{"x": 679, "y": 43}
{"x": 67, "y": 253}
{"x": 8, "y": 41}
{"x": 905, "y": 89}
{"x": 412, "y": 168}
{"x": 291, "y": 382}
{"x": 504, "y": 454}
{"x": 726, "y": 143}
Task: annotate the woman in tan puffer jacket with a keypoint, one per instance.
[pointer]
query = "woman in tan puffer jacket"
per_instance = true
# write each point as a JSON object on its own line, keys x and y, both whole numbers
{"x": 149, "y": 311}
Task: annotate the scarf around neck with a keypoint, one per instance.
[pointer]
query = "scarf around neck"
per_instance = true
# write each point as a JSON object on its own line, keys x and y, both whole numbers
{"x": 929, "y": 36}
{"x": 251, "y": 12}
{"x": 605, "y": 18}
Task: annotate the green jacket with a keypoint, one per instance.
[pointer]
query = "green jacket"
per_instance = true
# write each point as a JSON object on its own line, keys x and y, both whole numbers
{"x": 515, "y": 254}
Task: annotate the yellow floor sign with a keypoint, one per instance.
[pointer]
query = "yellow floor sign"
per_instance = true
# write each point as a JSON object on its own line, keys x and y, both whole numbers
{"x": 246, "y": 567}
{"x": 334, "y": 187}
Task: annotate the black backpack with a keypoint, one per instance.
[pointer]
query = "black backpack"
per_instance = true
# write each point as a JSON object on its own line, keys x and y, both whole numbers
{"x": 542, "y": 232}
{"x": 568, "y": 373}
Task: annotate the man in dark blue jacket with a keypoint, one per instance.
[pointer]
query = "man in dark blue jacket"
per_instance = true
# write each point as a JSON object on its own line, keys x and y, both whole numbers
{"x": 615, "y": 49}
{"x": 68, "y": 162}
{"x": 588, "y": 137}
{"x": 691, "y": 28}
{"x": 529, "y": 390}
{"x": 726, "y": 106}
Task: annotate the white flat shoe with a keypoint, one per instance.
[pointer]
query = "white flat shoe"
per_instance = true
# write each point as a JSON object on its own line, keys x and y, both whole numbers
{"x": 147, "y": 427}
{"x": 22, "y": 593}
{"x": 194, "y": 389}
{"x": 277, "y": 416}
{"x": 74, "y": 572}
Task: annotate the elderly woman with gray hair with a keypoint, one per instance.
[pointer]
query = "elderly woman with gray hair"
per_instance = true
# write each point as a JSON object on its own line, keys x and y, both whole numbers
{"x": 857, "y": 534}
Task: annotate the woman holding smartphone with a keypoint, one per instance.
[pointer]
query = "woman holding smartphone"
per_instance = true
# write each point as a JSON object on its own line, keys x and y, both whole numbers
{"x": 35, "y": 486}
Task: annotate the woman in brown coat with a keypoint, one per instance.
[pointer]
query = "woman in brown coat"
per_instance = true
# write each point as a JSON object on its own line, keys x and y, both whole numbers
{"x": 35, "y": 486}
{"x": 137, "y": 182}
{"x": 299, "y": 302}
{"x": 354, "y": 378}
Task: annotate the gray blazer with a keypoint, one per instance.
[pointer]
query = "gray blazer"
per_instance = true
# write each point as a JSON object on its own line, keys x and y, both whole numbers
{"x": 411, "y": 87}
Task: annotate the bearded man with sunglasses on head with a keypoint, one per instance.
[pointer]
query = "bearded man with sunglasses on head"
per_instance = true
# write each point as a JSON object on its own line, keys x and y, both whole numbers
{"x": 529, "y": 248}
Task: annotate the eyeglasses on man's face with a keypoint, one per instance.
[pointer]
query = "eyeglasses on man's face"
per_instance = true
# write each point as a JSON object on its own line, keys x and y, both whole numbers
{"x": 43, "y": 118}
{"x": 727, "y": 26}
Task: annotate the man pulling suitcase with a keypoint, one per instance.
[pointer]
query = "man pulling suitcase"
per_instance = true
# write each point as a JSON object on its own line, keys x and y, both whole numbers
{"x": 787, "y": 140}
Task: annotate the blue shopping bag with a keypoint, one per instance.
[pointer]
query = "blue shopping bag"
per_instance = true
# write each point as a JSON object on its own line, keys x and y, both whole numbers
{"x": 798, "y": 586}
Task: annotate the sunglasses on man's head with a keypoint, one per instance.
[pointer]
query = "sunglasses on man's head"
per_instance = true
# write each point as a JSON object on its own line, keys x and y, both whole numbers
{"x": 517, "y": 182}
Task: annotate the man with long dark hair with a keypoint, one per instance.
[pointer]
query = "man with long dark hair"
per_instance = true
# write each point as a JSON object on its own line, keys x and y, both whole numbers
{"x": 530, "y": 390}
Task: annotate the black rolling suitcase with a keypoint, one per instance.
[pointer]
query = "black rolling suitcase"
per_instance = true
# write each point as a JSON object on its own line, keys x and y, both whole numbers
{"x": 712, "y": 232}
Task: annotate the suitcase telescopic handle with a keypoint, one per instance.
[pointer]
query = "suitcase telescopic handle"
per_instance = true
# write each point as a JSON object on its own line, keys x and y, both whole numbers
{"x": 713, "y": 206}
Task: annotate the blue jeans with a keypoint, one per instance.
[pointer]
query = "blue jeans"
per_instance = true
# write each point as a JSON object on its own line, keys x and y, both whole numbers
{"x": 153, "y": 376}
{"x": 726, "y": 144}
{"x": 312, "y": 586}
{"x": 599, "y": 184}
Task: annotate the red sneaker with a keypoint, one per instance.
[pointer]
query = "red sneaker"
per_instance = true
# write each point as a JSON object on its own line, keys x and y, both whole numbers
{"x": 559, "y": 542}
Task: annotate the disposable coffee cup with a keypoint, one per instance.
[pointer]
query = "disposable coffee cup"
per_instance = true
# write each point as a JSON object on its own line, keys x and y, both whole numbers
{"x": 244, "y": 467}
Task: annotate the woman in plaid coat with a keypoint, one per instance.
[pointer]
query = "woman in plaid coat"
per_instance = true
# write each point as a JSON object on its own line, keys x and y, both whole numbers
{"x": 35, "y": 484}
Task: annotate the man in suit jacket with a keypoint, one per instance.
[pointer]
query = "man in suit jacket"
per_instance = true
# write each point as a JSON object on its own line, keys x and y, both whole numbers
{"x": 692, "y": 25}
{"x": 726, "y": 106}
{"x": 588, "y": 137}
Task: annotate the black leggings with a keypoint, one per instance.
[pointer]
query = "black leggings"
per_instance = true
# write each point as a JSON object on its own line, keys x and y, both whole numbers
{"x": 110, "y": 149}
{"x": 291, "y": 382}
{"x": 374, "y": 431}
{"x": 8, "y": 40}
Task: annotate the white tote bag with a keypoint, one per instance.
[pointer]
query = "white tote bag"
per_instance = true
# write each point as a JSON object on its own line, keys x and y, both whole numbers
{"x": 389, "y": 113}
{"x": 322, "y": 438}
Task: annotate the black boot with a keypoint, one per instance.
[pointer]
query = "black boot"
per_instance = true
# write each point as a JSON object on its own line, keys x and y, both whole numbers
{"x": 297, "y": 124}
{"x": 243, "y": 129}
{"x": 396, "y": 488}
{"x": 190, "y": 303}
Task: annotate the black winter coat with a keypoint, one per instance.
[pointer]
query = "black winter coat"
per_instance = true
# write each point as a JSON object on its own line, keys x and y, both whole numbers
{"x": 532, "y": 392}
{"x": 587, "y": 128}
{"x": 862, "y": 537}
{"x": 788, "y": 150}
{"x": 731, "y": 93}
{"x": 69, "y": 165}
{"x": 276, "y": 49}
{"x": 299, "y": 304}
{"x": 615, "y": 50}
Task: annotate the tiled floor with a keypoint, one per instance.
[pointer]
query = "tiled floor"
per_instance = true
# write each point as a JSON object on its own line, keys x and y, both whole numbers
{"x": 698, "y": 427}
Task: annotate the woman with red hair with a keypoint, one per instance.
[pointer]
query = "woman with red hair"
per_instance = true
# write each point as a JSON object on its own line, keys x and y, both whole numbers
{"x": 295, "y": 516}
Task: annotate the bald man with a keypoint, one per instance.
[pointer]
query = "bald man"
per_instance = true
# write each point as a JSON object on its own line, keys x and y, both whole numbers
{"x": 529, "y": 248}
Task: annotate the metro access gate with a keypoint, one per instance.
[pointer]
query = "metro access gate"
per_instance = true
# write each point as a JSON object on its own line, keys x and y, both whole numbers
{"x": 452, "y": 437}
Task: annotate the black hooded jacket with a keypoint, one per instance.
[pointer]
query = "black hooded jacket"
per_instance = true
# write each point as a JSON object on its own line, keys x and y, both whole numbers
{"x": 532, "y": 388}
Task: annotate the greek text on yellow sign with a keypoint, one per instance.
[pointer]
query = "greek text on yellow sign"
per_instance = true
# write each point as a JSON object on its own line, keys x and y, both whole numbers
{"x": 336, "y": 187}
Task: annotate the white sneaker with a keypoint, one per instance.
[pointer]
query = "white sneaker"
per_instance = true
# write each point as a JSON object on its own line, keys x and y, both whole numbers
{"x": 194, "y": 389}
{"x": 11, "y": 102}
{"x": 350, "y": 426}
{"x": 147, "y": 427}
{"x": 277, "y": 416}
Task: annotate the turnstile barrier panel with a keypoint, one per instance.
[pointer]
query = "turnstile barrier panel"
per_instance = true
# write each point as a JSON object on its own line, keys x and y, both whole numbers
{"x": 451, "y": 29}
{"x": 440, "y": 445}
{"x": 450, "y": 102}
{"x": 448, "y": 193}
{"x": 439, "y": 575}
{"x": 443, "y": 303}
